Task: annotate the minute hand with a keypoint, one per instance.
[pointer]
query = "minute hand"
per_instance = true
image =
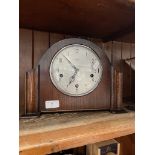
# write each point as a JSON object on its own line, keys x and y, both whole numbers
{"x": 71, "y": 63}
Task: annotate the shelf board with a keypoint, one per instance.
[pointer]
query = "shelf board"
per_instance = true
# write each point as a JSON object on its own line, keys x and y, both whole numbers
{"x": 96, "y": 18}
{"x": 55, "y": 132}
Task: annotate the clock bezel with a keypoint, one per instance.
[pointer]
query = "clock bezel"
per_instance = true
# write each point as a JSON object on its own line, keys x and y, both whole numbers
{"x": 61, "y": 90}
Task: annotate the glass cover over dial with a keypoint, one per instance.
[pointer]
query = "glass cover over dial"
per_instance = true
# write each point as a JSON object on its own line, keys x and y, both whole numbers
{"x": 76, "y": 70}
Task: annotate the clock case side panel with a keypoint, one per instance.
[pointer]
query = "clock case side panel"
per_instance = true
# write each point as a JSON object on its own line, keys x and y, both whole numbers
{"x": 32, "y": 96}
{"x": 96, "y": 100}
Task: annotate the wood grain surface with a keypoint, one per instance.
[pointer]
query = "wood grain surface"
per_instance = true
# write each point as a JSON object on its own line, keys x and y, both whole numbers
{"x": 25, "y": 63}
{"x": 97, "y": 99}
{"x": 127, "y": 144}
{"x": 53, "y": 133}
{"x": 41, "y": 44}
{"x": 95, "y": 18}
{"x": 34, "y": 43}
{"x": 32, "y": 92}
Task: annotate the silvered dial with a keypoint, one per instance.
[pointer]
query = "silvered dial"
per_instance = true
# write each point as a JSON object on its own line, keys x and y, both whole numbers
{"x": 76, "y": 70}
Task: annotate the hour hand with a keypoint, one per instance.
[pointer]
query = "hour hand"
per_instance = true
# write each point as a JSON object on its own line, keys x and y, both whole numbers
{"x": 72, "y": 78}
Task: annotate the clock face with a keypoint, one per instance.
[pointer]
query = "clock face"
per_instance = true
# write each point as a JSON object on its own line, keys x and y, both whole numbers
{"x": 76, "y": 70}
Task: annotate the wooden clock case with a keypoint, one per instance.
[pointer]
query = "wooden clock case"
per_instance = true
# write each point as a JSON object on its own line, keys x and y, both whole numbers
{"x": 39, "y": 87}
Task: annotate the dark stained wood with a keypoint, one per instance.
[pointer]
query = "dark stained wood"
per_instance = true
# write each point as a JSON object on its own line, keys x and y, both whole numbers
{"x": 119, "y": 87}
{"x": 133, "y": 75}
{"x": 116, "y": 90}
{"x": 133, "y": 86}
{"x": 129, "y": 73}
{"x": 98, "y": 99}
{"x": 67, "y": 36}
{"x": 55, "y": 37}
{"x": 41, "y": 44}
{"x": 30, "y": 108}
{"x": 128, "y": 38}
{"x": 32, "y": 92}
{"x": 113, "y": 104}
{"x": 126, "y": 72}
{"x": 98, "y": 42}
{"x": 25, "y": 63}
{"x": 108, "y": 49}
{"x": 126, "y": 82}
{"x": 118, "y": 51}
{"x": 116, "y": 54}
{"x": 132, "y": 50}
{"x": 120, "y": 34}
{"x": 80, "y": 150}
{"x": 96, "y": 18}
{"x": 126, "y": 49}
{"x": 127, "y": 144}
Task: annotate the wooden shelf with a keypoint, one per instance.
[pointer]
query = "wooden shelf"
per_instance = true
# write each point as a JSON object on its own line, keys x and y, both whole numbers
{"x": 55, "y": 132}
{"x": 96, "y": 18}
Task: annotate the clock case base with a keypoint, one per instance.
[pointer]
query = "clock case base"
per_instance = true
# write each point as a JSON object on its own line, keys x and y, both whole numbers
{"x": 39, "y": 88}
{"x": 32, "y": 100}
